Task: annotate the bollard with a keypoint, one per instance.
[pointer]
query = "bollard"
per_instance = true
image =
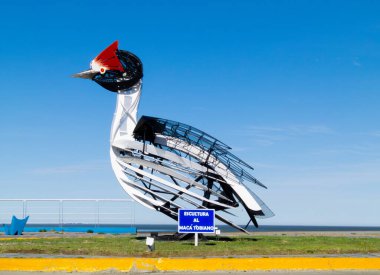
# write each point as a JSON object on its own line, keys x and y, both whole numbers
{"x": 150, "y": 243}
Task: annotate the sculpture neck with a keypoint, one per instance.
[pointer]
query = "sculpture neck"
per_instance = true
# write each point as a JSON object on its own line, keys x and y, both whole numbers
{"x": 125, "y": 116}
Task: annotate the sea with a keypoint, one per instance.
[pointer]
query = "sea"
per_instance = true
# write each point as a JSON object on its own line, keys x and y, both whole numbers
{"x": 262, "y": 228}
{"x": 172, "y": 228}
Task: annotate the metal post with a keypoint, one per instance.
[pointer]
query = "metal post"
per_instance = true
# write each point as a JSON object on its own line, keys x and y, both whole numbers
{"x": 98, "y": 212}
{"x": 61, "y": 214}
{"x": 196, "y": 239}
{"x": 133, "y": 214}
{"x": 23, "y": 209}
{"x": 26, "y": 208}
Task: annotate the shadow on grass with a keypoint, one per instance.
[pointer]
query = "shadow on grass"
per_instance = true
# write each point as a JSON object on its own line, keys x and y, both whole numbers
{"x": 208, "y": 238}
{"x": 229, "y": 239}
{"x": 140, "y": 238}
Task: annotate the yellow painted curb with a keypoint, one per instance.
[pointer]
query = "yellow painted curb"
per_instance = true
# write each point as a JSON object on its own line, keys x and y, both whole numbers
{"x": 242, "y": 264}
{"x": 188, "y": 264}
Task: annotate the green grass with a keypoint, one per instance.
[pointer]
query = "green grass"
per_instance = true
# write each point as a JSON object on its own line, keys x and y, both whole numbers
{"x": 227, "y": 246}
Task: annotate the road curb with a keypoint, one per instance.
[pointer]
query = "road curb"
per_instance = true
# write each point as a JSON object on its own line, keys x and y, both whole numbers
{"x": 185, "y": 264}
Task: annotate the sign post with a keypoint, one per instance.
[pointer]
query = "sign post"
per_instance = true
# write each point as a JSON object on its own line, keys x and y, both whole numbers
{"x": 196, "y": 221}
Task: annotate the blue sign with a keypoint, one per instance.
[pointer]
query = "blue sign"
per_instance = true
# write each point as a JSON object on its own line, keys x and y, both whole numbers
{"x": 196, "y": 221}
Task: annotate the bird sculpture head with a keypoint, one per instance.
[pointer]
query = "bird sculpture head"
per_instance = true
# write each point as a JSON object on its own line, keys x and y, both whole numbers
{"x": 113, "y": 69}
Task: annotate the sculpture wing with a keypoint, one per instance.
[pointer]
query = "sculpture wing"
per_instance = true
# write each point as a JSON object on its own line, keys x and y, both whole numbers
{"x": 148, "y": 128}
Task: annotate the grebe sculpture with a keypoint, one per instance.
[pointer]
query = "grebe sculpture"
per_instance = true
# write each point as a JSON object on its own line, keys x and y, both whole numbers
{"x": 167, "y": 165}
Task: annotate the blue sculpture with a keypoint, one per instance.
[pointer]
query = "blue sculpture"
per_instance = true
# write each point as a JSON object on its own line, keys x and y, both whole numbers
{"x": 16, "y": 227}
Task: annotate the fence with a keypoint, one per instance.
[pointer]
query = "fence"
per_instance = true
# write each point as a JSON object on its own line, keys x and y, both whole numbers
{"x": 61, "y": 212}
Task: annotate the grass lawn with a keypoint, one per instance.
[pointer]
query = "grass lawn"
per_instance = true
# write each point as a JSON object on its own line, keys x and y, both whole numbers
{"x": 110, "y": 245}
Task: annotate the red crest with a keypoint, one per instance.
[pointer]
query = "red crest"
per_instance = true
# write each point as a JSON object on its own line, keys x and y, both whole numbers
{"x": 108, "y": 60}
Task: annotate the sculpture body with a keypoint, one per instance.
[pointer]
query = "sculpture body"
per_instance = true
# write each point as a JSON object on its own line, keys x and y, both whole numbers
{"x": 166, "y": 165}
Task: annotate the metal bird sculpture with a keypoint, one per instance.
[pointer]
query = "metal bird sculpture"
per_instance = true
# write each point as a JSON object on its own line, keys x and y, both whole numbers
{"x": 167, "y": 165}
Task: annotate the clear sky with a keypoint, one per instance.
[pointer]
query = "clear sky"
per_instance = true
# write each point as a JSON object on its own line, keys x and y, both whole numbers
{"x": 291, "y": 86}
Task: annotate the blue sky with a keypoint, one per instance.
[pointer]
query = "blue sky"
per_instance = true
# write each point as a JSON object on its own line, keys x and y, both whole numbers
{"x": 291, "y": 86}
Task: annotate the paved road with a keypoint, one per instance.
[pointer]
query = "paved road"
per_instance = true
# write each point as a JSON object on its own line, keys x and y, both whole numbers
{"x": 207, "y": 273}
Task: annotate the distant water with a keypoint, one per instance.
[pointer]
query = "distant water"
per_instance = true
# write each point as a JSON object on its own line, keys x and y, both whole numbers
{"x": 117, "y": 228}
{"x": 262, "y": 228}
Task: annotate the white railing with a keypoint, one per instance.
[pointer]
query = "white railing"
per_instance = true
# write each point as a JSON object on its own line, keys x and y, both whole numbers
{"x": 69, "y": 211}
